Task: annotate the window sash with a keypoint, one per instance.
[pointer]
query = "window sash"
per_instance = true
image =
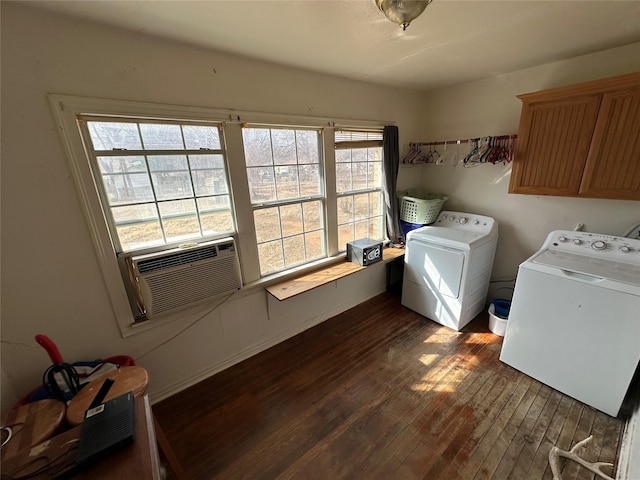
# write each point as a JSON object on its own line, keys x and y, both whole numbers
{"x": 193, "y": 210}
{"x": 286, "y": 151}
{"x": 371, "y": 224}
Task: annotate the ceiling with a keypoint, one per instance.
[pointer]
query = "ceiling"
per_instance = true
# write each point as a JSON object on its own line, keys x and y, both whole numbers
{"x": 452, "y": 42}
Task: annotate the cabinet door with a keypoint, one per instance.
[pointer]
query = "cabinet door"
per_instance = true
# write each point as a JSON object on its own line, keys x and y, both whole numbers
{"x": 553, "y": 142}
{"x": 613, "y": 165}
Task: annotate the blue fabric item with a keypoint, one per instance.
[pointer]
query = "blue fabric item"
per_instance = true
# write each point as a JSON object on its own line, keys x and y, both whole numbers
{"x": 407, "y": 227}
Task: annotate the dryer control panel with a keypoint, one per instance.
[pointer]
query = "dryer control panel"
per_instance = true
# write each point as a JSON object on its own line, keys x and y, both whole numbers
{"x": 465, "y": 221}
{"x": 620, "y": 249}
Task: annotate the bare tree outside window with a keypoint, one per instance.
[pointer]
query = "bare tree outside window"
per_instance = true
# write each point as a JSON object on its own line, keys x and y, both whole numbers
{"x": 359, "y": 185}
{"x": 164, "y": 182}
{"x": 285, "y": 185}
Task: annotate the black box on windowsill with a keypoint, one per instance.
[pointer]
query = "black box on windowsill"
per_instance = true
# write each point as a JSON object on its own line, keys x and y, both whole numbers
{"x": 364, "y": 251}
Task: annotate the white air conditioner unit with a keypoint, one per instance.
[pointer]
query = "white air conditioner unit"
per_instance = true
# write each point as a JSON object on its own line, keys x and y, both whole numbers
{"x": 182, "y": 277}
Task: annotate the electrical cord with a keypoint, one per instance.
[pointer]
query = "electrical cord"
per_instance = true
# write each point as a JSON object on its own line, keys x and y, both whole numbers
{"x": 187, "y": 327}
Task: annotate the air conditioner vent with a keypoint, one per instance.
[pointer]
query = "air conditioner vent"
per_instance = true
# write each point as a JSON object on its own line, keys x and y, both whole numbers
{"x": 177, "y": 259}
{"x": 177, "y": 279}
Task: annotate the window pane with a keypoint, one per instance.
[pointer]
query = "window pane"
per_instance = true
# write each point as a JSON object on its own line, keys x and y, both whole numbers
{"x": 309, "y": 180}
{"x": 345, "y": 234}
{"x": 360, "y": 172}
{"x": 375, "y": 175}
{"x": 314, "y": 243}
{"x": 271, "y": 257}
{"x": 287, "y": 182}
{"x": 343, "y": 177}
{"x": 375, "y": 203}
{"x": 313, "y": 217}
{"x": 307, "y": 142}
{"x": 267, "y": 223}
{"x": 359, "y": 155}
{"x": 291, "y": 218}
{"x": 196, "y": 136}
{"x": 162, "y": 163}
{"x": 376, "y": 225}
{"x": 257, "y": 146}
{"x": 217, "y": 222}
{"x": 199, "y": 162}
{"x": 343, "y": 156}
{"x": 110, "y": 135}
{"x": 215, "y": 215}
{"x": 121, "y": 164}
{"x": 294, "y": 253}
{"x": 209, "y": 182}
{"x": 179, "y": 219}
{"x": 361, "y": 206}
{"x": 284, "y": 147}
{"x": 262, "y": 185}
{"x": 361, "y": 229}
{"x": 161, "y": 136}
{"x": 127, "y": 188}
{"x": 345, "y": 210}
{"x": 137, "y": 226}
{"x": 170, "y": 185}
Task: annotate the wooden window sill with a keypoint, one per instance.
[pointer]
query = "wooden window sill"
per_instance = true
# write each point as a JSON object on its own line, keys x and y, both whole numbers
{"x": 304, "y": 283}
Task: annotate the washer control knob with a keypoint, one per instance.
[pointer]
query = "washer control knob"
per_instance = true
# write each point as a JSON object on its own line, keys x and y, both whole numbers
{"x": 625, "y": 249}
{"x": 452, "y": 218}
{"x": 598, "y": 245}
{"x": 577, "y": 241}
{"x": 462, "y": 220}
{"x": 476, "y": 222}
{"x": 562, "y": 239}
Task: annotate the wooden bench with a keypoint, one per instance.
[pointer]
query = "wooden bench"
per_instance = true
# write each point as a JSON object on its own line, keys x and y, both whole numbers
{"x": 317, "y": 278}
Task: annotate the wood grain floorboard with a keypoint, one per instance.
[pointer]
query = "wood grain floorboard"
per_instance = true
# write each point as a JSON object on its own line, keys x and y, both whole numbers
{"x": 380, "y": 392}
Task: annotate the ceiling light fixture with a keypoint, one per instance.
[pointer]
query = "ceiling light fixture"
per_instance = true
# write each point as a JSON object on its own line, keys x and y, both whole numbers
{"x": 402, "y": 12}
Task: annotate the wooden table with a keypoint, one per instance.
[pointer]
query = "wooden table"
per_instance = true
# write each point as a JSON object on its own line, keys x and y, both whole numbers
{"x": 126, "y": 379}
{"x": 31, "y": 424}
{"x": 137, "y": 461}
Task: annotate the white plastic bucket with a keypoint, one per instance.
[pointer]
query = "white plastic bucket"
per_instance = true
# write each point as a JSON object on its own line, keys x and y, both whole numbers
{"x": 496, "y": 324}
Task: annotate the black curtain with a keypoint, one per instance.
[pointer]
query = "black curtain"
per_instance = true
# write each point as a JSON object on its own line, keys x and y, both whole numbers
{"x": 390, "y": 162}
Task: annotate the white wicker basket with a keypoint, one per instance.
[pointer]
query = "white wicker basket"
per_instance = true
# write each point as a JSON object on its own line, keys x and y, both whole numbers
{"x": 417, "y": 205}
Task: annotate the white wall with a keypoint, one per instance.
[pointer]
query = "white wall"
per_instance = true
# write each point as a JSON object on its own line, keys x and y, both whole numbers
{"x": 490, "y": 107}
{"x": 51, "y": 282}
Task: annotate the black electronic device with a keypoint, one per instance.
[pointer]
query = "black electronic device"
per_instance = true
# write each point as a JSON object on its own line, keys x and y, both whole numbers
{"x": 102, "y": 393}
{"x": 106, "y": 428}
{"x": 364, "y": 251}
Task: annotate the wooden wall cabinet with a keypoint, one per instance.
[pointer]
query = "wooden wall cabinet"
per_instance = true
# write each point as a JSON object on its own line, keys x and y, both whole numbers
{"x": 580, "y": 141}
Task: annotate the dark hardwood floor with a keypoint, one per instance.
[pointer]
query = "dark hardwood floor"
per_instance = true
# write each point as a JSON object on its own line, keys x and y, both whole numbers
{"x": 380, "y": 392}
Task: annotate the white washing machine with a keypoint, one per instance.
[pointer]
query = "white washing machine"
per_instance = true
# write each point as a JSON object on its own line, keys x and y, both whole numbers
{"x": 574, "y": 323}
{"x": 448, "y": 266}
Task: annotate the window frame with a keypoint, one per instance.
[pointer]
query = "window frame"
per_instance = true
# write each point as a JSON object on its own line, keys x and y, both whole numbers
{"x": 320, "y": 197}
{"x": 83, "y": 124}
{"x": 363, "y": 144}
{"x": 66, "y": 109}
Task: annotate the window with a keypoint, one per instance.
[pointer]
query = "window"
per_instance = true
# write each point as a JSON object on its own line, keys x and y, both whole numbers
{"x": 287, "y": 195}
{"x": 155, "y": 177}
{"x": 359, "y": 185}
{"x": 163, "y": 183}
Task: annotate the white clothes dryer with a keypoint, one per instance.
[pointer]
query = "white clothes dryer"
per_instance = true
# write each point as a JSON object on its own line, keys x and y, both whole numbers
{"x": 573, "y": 322}
{"x": 448, "y": 267}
